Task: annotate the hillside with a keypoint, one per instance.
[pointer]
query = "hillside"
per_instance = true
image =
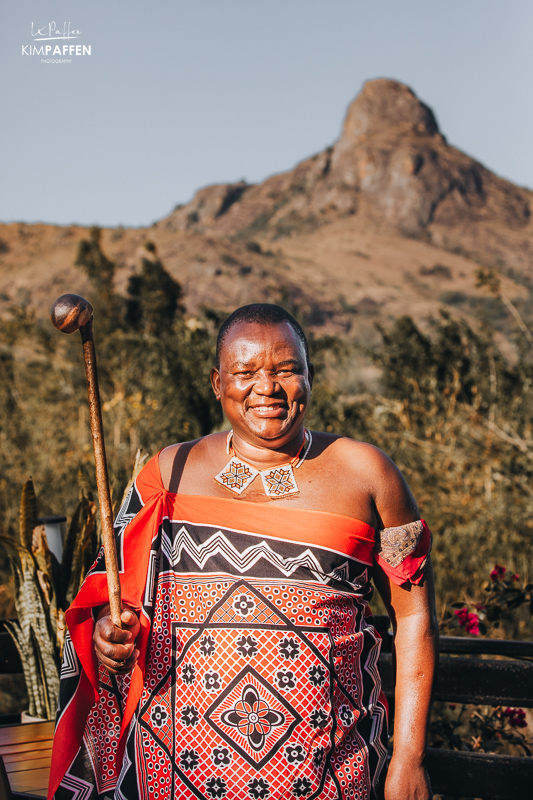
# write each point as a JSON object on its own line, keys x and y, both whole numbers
{"x": 389, "y": 220}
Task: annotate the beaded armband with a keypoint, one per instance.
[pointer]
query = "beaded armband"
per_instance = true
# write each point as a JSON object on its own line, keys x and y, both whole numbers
{"x": 402, "y": 551}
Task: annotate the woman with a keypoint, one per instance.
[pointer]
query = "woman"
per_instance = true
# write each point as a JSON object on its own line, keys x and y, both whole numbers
{"x": 247, "y": 666}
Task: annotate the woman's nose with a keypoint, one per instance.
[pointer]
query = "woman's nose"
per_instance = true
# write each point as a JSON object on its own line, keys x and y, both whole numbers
{"x": 266, "y": 384}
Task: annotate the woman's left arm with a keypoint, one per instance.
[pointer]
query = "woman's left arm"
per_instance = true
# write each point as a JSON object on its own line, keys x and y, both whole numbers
{"x": 412, "y": 611}
{"x": 411, "y": 607}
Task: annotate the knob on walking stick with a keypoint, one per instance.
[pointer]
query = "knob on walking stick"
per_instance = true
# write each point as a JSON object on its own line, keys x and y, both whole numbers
{"x": 70, "y": 313}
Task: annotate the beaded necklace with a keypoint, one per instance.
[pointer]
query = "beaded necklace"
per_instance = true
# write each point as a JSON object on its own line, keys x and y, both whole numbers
{"x": 237, "y": 475}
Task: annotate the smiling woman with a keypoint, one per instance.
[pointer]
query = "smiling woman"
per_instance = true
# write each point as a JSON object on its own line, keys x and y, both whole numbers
{"x": 247, "y": 662}
{"x": 263, "y": 371}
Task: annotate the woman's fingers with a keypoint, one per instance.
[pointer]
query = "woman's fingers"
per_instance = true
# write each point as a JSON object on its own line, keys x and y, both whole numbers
{"x": 115, "y": 647}
{"x": 131, "y": 621}
{"x": 119, "y": 667}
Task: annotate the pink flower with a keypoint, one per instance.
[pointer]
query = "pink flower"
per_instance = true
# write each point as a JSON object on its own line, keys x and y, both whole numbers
{"x": 472, "y": 624}
{"x": 516, "y": 717}
{"x": 468, "y": 620}
{"x": 498, "y": 572}
{"x": 515, "y": 577}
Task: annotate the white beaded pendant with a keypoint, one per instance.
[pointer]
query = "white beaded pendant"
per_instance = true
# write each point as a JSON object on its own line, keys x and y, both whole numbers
{"x": 236, "y": 475}
{"x": 279, "y": 481}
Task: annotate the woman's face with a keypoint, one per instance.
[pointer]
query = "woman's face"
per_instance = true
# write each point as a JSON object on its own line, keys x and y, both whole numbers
{"x": 263, "y": 382}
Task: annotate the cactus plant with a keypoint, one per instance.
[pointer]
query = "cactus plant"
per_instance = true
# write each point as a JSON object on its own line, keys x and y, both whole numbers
{"x": 43, "y": 589}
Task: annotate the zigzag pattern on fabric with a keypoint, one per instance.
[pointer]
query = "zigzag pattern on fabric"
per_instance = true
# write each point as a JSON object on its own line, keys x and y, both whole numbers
{"x": 81, "y": 790}
{"x": 71, "y": 666}
{"x": 242, "y": 562}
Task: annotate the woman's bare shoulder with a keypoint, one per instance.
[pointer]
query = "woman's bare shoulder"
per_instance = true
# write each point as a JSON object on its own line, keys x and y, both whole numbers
{"x": 354, "y": 455}
{"x": 169, "y": 456}
{"x": 376, "y": 472}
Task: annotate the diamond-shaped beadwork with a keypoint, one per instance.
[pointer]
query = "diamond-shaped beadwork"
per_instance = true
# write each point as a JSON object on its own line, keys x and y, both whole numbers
{"x": 236, "y": 475}
{"x": 279, "y": 481}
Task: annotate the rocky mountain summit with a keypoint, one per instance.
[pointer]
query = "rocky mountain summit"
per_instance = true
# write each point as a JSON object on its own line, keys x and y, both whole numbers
{"x": 391, "y": 166}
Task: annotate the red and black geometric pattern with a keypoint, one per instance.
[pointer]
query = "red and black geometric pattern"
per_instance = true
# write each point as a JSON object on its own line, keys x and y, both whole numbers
{"x": 258, "y": 670}
{"x": 251, "y": 718}
{"x": 250, "y": 703}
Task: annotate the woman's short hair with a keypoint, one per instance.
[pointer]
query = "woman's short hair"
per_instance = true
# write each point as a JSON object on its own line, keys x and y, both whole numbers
{"x": 262, "y": 314}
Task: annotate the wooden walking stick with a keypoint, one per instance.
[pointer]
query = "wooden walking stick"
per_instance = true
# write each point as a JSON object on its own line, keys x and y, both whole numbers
{"x": 70, "y": 313}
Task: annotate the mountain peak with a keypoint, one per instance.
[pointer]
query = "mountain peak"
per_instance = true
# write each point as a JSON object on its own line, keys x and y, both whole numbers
{"x": 383, "y": 104}
{"x": 391, "y": 165}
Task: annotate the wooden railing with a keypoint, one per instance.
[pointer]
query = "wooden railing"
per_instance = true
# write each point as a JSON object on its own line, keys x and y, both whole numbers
{"x": 489, "y": 672}
{"x": 469, "y": 673}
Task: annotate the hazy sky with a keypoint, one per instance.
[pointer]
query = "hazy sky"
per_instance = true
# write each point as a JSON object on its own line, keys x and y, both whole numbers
{"x": 178, "y": 94}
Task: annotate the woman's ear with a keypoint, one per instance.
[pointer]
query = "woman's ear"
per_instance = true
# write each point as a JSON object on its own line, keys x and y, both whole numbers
{"x": 215, "y": 382}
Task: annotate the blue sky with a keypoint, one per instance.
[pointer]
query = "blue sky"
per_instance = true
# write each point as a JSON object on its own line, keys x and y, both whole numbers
{"x": 178, "y": 94}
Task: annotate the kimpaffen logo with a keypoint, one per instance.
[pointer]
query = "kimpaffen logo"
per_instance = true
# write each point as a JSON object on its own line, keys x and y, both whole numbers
{"x": 55, "y": 53}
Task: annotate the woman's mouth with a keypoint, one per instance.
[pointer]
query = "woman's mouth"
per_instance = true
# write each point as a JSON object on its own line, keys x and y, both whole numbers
{"x": 274, "y": 410}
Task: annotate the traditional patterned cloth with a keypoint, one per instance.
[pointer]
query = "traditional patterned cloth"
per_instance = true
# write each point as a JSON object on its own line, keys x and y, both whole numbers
{"x": 258, "y": 668}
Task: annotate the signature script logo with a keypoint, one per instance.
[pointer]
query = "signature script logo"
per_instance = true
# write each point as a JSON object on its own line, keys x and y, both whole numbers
{"x": 51, "y": 31}
{"x": 56, "y": 43}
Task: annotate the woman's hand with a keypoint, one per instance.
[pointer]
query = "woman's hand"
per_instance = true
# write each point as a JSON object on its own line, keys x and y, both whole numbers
{"x": 115, "y": 647}
{"x": 407, "y": 781}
